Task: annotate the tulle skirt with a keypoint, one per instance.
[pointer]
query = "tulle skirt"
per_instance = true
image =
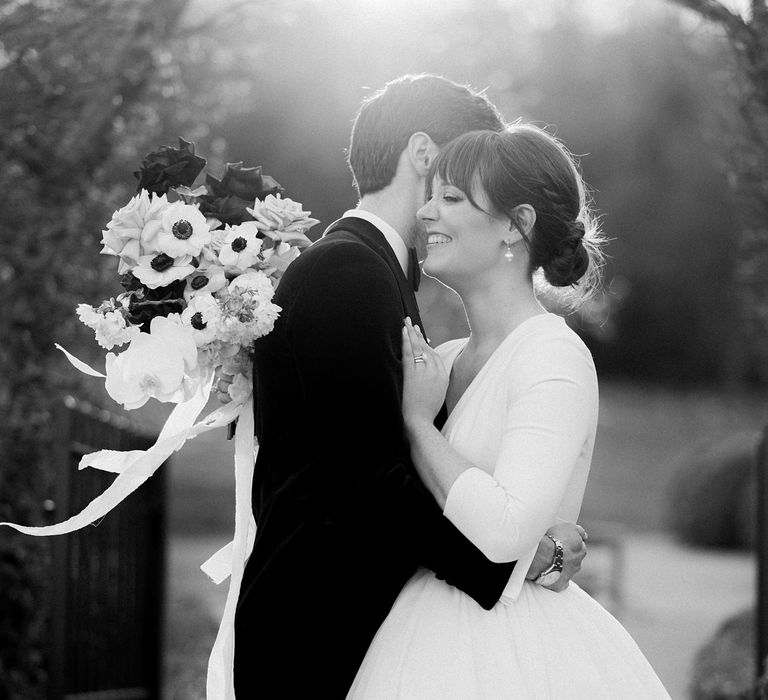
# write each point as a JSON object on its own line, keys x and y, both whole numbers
{"x": 437, "y": 643}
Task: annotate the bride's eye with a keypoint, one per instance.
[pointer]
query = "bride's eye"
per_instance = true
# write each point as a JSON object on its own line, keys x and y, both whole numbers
{"x": 448, "y": 197}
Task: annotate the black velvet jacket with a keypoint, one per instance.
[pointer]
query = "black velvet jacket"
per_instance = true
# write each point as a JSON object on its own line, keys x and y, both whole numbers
{"x": 343, "y": 520}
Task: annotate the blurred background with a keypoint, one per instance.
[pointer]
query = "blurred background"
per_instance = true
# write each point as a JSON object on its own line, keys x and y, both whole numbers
{"x": 664, "y": 104}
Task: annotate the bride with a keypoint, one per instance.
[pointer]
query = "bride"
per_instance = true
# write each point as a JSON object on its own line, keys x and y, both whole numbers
{"x": 514, "y": 455}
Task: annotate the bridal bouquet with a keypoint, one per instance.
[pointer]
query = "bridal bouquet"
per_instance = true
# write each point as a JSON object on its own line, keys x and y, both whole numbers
{"x": 198, "y": 269}
{"x": 198, "y": 275}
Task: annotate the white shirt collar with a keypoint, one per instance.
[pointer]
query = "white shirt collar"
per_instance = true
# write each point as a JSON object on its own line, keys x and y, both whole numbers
{"x": 393, "y": 237}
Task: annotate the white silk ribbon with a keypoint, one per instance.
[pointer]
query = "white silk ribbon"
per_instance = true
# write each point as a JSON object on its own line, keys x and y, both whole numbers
{"x": 136, "y": 466}
{"x": 218, "y": 567}
{"x": 84, "y": 368}
{"x": 220, "y": 682}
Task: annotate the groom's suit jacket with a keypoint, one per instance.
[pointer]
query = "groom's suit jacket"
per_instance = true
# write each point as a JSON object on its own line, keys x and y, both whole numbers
{"x": 343, "y": 520}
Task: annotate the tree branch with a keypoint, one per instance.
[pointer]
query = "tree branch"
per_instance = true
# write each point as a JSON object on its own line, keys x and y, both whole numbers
{"x": 218, "y": 20}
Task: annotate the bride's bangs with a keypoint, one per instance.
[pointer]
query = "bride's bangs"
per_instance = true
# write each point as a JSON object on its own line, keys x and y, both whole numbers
{"x": 463, "y": 164}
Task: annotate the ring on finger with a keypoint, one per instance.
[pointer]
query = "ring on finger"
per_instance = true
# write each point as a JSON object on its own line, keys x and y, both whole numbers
{"x": 419, "y": 358}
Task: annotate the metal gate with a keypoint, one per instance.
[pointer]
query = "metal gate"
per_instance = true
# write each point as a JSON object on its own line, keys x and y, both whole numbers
{"x": 108, "y": 579}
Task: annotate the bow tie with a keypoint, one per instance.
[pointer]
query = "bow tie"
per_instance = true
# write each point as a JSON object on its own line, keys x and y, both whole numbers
{"x": 414, "y": 271}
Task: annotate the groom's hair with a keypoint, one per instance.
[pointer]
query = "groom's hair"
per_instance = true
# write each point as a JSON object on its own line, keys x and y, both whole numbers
{"x": 387, "y": 119}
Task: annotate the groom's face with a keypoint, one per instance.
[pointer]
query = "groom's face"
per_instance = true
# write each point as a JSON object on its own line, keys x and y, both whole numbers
{"x": 418, "y": 237}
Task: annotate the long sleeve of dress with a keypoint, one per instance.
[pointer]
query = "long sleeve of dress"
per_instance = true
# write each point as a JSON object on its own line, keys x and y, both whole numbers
{"x": 548, "y": 408}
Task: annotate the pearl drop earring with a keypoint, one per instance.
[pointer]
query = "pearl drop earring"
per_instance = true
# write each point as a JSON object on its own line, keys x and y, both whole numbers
{"x": 508, "y": 254}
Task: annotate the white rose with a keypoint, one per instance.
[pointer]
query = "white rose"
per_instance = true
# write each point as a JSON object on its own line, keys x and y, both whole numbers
{"x": 132, "y": 231}
{"x": 282, "y": 219}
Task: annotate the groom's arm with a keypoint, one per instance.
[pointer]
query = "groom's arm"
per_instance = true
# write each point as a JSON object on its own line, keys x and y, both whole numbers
{"x": 345, "y": 329}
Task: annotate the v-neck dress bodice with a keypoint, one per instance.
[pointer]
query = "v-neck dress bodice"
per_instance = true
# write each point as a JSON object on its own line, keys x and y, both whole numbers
{"x": 527, "y": 422}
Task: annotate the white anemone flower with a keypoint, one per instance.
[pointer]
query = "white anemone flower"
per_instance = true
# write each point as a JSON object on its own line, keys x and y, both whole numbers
{"x": 161, "y": 269}
{"x": 207, "y": 279}
{"x": 202, "y": 316}
{"x": 241, "y": 248}
{"x": 185, "y": 231}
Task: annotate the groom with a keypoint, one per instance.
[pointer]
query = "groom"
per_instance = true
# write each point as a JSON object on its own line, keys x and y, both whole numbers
{"x": 343, "y": 521}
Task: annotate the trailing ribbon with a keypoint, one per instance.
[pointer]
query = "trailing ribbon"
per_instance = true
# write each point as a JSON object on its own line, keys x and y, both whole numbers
{"x": 231, "y": 560}
{"x": 135, "y": 467}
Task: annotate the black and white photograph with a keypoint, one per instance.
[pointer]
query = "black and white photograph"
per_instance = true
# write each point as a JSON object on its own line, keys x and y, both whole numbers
{"x": 384, "y": 350}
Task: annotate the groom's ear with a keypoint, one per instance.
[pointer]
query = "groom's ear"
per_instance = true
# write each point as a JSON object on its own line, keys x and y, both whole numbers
{"x": 422, "y": 150}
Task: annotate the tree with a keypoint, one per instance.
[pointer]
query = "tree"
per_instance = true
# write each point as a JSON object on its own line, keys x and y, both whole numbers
{"x": 748, "y": 38}
{"x": 81, "y": 82}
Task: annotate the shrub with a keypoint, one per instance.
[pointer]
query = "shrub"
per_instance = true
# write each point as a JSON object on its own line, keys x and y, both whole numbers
{"x": 711, "y": 496}
{"x": 724, "y": 668}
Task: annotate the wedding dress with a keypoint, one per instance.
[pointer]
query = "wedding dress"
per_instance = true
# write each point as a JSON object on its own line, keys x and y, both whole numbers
{"x": 527, "y": 422}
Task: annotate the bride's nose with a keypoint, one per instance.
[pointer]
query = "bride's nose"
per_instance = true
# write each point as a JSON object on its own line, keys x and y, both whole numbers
{"x": 427, "y": 212}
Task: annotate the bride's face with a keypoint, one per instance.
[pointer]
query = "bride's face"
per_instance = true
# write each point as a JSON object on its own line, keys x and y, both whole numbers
{"x": 463, "y": 241}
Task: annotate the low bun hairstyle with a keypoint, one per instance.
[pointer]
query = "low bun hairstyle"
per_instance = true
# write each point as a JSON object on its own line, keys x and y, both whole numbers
{"x": 525, "y": 165}
{"x": 568, "y": 262}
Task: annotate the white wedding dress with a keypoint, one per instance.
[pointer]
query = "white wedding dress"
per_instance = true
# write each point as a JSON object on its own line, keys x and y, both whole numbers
{"x": 527, "y": 422}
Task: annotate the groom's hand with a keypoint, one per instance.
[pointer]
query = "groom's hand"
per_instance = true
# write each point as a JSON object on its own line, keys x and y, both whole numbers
{"x": 223, "y": 382}
{"x": 574, "y": 540}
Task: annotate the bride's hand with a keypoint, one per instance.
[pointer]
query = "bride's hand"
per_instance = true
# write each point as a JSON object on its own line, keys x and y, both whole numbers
{"x": 425, "y": 379}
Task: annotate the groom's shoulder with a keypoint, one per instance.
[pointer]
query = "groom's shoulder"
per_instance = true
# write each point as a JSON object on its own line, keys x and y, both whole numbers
{"x": 338, "y": 249}
{"x": 338, "y": 264}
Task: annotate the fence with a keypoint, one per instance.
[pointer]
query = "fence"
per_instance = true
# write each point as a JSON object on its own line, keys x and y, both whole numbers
{"x": 107, "y": 597}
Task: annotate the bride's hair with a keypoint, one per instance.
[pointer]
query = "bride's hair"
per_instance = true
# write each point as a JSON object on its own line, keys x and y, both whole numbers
{"x": 526, "y": 165}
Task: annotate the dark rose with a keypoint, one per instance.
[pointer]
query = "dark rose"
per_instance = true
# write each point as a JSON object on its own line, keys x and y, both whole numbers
{"x": 247, "y": 184}
{"x": 228, "y": 210}
{"x": 239, "y": 188}
{"x": 169, "y": 167}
